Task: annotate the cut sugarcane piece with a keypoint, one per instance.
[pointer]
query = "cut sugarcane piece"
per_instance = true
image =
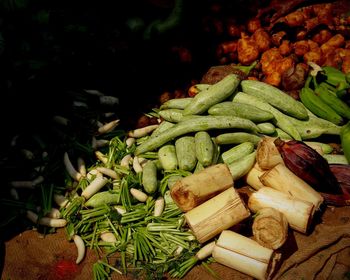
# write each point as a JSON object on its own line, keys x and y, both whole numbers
{"x": 270, "y": 228}
{"x": 252, "y": 178}
{"x": 267, "y": 154}
{"x": 216, "y": 214}
{"x": 284, "y": 180}
{"x": 194, "y": 189}
{"x": 245, "y": 255}
{"x": 298, "y": 212}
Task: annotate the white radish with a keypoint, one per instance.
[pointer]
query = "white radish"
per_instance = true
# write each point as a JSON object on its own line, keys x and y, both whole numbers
{"x": 109, "y": 100}
{"x": 158, "y": 206}
{"x": 108, "y": 127}
{"x": 101, "y": 157}
{"x": 142, "y": 161}
{"x": 109, "y": 114}
{"x": 14, "y": 194}
{"x": 121, "y": 210}
{"x": 70, "y": 168}
{"x": 98, "y": 143}
{"x": 79, "y": 243}
{"x": 60, "y": 120}
{"x": 108, "y": 236}
{"x": 136, "y": 165}
{"x": 46, "y": 221}
{"x": 129, "y": 141}
{"x": 93, "y": 92}
{"x": 54, "y": 213}
{"x": 60, "y": 200}
{"x": 139, "y": 195}
{"x": 79, "y": 104}
{"x": 93, "y": 172}
{"x": 108, "y": 172}
{"x": 126, "y": 160}
{"x": 38, "y": 180}
{"x": 205, "y": 251}
{"x": 81, "y": 166}
{"x": 143, "y": 131}
{"x": 97, "y": 184}
{"x": 27, "y": 154}
{"x": 22, "y": 184}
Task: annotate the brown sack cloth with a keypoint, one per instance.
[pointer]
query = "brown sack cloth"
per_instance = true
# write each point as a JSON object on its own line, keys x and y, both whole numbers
{"x": 323, "y": 254}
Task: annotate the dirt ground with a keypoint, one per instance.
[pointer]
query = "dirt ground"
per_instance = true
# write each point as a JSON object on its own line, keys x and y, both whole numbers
{"x": 323, "y": 254}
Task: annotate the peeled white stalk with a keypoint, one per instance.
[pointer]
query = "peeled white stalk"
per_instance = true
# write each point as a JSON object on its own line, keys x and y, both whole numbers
{"x": 284, "y": 180}
{"x": 108, "y": 127}
{"x": 245, "y": 255}
{"x": 97, "y": 184}
{"x": 252, "y": 178}
{"x": 216, "y": 214}
{"x": 70, "y": 168}
{"x": 140, "y": 132}
{"x": 79, "y": 243}
{"x": 108, "y": 172}
{"x": 205, "y": 251}
{"x": 93, "y": 172}
{"x": 298, "y": 212}
{"x": 22, "y": 184}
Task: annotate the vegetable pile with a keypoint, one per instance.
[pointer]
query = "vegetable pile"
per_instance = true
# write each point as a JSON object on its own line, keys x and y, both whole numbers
{"x": 163, "y": 198}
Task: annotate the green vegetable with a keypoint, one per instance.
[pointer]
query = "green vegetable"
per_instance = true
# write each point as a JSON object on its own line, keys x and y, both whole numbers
{"x": 105, "y": 197}
{"x": 237, "y": 138}
{"x": 176, "y": 103}
{"x": 186, "y": 152}
{"x": 242, "y": 110}
{"x": 266, "y": 128}
{"x": 345, "y": 140}
{"x": 167, "y": 157}
{"x": 213, "y": 95}
{"x": 149, "y": 177}
{"x": 242, "y": 166}
{"x": 193, "y": 125}
{"x": 275, "y": 97}
{"x": 237, "y": 152}
{"x": 204, "y": 148}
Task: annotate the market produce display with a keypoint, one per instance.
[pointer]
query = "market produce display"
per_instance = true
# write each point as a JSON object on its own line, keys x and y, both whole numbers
{"x": 239, "y": 151}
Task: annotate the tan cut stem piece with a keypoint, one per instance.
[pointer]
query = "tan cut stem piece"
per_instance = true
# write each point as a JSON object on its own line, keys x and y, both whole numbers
{"x": 284, "y": 180}
{"x": 252, "y": 178}
{"x": 245, "y": 255}
{"x": 270, "y": 228}
{"x": 267, "y": 154}
{"x": 194, "y": 189}
{"x": 298, "y": 212}
{"x": 217, "y": 214}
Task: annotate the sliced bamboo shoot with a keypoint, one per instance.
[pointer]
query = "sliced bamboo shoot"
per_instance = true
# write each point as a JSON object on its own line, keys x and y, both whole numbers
{"x": 267, "y": 154}
{"x": 298, "y": 212}
{"x": 245, "y": 255}
{"x": 252, "y": 177}
{"x": 270, "y": 228}
{"x": 194, "y": 189}
{"x": 284, "y": 180}
{"x": 216, "y": 214}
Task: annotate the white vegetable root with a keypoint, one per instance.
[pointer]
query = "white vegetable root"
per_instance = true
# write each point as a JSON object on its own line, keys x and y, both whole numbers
{"x": 139, "y": 195}
{"x": 70, "y": 168}
{"x": 108, "y": 127}
{"x": 140, "y": 132}
{"x": 46, "y": 221}
{"x": 159, "y": 206}
{"x": 79, "y": 243}
{"x": 97, "y": 184}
